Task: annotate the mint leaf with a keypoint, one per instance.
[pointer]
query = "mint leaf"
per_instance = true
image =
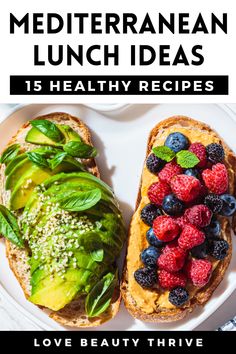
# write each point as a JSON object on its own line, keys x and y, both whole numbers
{"x": 187, "y": 159}
{"x": 164, "y": 153}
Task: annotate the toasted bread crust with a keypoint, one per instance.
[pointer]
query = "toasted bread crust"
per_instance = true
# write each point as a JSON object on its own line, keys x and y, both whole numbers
{"x": 73, "y": 315}
{"x": 203, "y": 294}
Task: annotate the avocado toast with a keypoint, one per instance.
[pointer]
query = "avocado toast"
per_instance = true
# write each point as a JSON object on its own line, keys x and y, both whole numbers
{"x": 179, "y": 244}
{"x": 62, "y": 224}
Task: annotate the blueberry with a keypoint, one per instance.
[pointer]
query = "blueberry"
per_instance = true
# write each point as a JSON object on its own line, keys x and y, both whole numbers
{"x": 149, "y": 213}
{"x": 177, "y": 142}
{"x": 153, "y": 239}
{"x": 146, "y": 277}
{"x": 154, "y": 164}
{"x": 200, "y": 251}
{"x": 178, "y": 296}
{"x": 172, "y": 205}
{"x": 150, "y": 255}
{"x": 214, "y": 202}
{"x": 229, "y": 205}
{"x": 213, "y": 230}
{"x": 193, "y": 172}
{"x": 219, "y": 249}
{"x": 215, "y": 153}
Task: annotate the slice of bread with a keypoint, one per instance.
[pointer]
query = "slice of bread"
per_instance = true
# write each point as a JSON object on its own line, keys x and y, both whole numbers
{"x": 153, "y": 305}
{"x": 73, "y": 314}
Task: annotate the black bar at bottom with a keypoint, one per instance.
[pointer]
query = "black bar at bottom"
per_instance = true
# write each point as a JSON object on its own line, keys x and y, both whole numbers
{"x": 119, "y": 85}
{"x": 117, "y": 342}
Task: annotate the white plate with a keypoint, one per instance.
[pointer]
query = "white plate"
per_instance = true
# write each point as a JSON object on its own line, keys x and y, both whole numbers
{"x": 121, "y": 138}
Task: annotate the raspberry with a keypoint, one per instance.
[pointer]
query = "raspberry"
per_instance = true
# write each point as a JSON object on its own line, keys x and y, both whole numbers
{"x": 215, "y": 153}
{"x": 199, "y": 215}
{"x": 214, "y": 202}
{"x": 186, "y": 188}
{"x": 172, "y": 260}
{"x": 190, "y": 237}
{"x": 200, "y": 198}
{"x": 169, "y": 280}
{"x": 170, "y": 170}
{"x": 181, "y": 221}
{"x": 199, "y": 271}
{"x": 165, "y": 228}
{"x": 216, "y": 179}
{"x": 154, "y": 164}
{"x": 200, "y": 151}
{"x": 170, "y": 247}
{"x": 157, "y": 192}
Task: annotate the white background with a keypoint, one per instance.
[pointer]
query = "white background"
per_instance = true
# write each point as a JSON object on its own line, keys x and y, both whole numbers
{"x": 219, "y": 49}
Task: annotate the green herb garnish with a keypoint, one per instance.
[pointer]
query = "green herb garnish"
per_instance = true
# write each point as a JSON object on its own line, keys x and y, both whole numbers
{"x": 9, "y": 227}
{"x": 80, "y": 149}
{"x": 49, "y": 129}
{"x": 10, "y": 153}
{"x": 164, "y": 153}
{"x": 79, "y": 201}
{"x": 99, "y": 298}
{"x": 187, "y": 159}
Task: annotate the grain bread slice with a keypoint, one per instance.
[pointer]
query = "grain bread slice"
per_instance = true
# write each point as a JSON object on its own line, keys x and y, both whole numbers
{"x": 153, "y": 305}
{"x": 73, "y": 314}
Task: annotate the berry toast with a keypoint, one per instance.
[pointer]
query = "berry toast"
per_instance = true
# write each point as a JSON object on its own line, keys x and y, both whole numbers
{"x": 179, "y": 244}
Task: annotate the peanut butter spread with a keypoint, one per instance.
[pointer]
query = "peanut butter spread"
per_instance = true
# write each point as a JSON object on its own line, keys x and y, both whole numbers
{"x": 155, "y": 300}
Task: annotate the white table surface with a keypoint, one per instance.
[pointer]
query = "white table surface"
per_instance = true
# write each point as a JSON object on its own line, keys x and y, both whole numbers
{"x": 12, "y": 319}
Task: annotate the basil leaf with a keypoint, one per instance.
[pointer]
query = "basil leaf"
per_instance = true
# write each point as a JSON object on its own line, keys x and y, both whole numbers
{"x": 49, "y": 129}
{"x": 37, "y": 159}
{"x": 9, "y": 227}
{"x": 187, "y": 159}
{"x": 56, "y": 160}
{"x": 99, "y": 298}
{"x": 10, "y": 153}
{"x": 164, "y": 153}
{"x": 80, "y": 149}
{"x": 47, "y": 151}
{"x": 79, "y": 201}
{"x": 75, "y": 162}
{"x": 97, "y": 255}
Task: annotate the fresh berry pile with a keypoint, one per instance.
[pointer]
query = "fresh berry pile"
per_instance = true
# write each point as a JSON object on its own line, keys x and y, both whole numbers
{"x": 190, "y": 192}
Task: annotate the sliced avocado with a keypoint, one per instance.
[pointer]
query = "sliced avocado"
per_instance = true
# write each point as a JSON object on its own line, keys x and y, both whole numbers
{"x": 34, "y": 136}
{"x": 17, "y": 172}
{"x": 56, "y": 293}
{"x": 14, "y": 162}
{"x": 69, "y": 133}
{"x": 31, "y": 178}
{"x": 25, "y": 185}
